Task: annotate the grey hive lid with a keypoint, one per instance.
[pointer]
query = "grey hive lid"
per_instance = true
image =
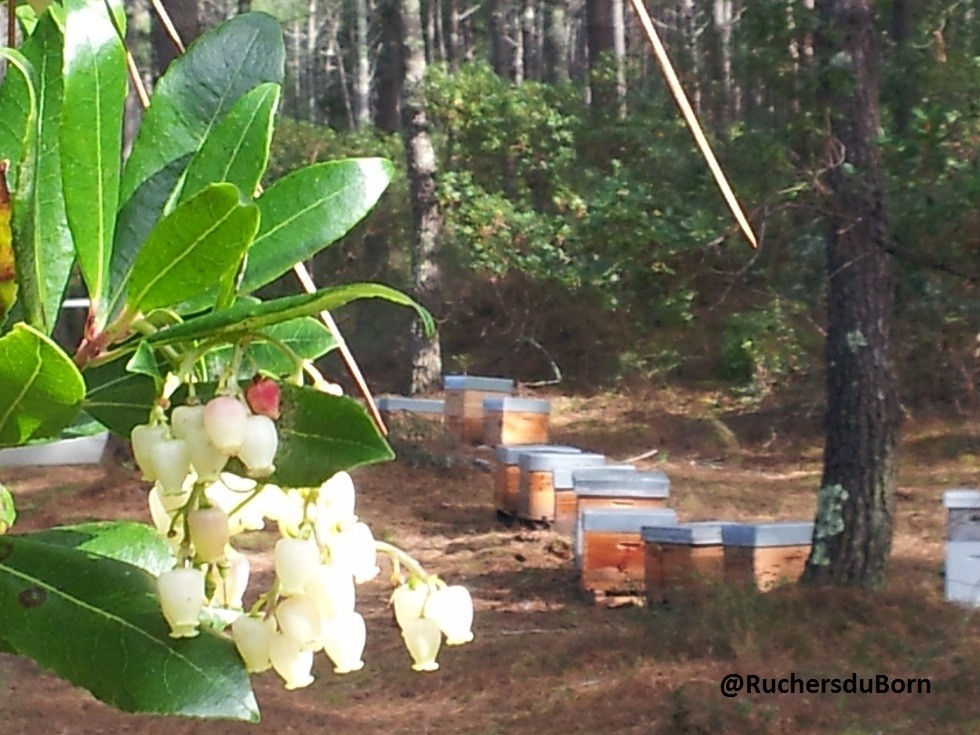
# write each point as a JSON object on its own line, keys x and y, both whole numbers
{"x": 696, "y": 533}
{"x": 551, "y": 461}
{"x": 767, "y": 534}
{"x": 622, "y": 484}
{"x": 477, "y": 382}
{"x": 961, "y": 497}
{"x": 625, "y": 520}
{"x": 510, "y": 453}
{"x": 510, "y": 403}
{"x": 412, "y": 405}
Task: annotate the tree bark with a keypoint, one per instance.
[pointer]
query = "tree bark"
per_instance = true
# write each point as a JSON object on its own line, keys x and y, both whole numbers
{"x": 427, "y": 218}
{"x": 501, "y": 53}
{"x": 391, "y": 70}
{"x": 605, "y": 30}
{"x": 853, "y": 533}
{"x": 556, "y": 52}
{"x": 362, "y": 67}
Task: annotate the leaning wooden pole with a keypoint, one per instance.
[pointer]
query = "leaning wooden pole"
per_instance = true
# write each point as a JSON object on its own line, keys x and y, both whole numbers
{"x": 674, "y": 84}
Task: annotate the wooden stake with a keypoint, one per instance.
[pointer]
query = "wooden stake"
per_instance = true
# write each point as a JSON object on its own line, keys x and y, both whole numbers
{"x": 673, "y": 83}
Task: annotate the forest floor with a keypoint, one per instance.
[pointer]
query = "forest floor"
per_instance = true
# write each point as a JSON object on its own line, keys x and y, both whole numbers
{"x": 547, "y": 660}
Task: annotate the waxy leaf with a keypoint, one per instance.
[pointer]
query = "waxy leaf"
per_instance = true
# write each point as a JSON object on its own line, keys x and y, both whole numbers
{"x": 246, "y": 318}
{"x": 126, "y": 541}
{"x": 41, "y": 390}
{"x": 320, "y": 435}
{"x": 95, "y": 86}
{"x": 309, "y": 209}
{"x": 191, "y": 249}
{"x": 199, "y": 87}
{"x": 237, "y": 148}
{"x": 96, "y": 622}
{"x": 118, "y": 399}
{"x": 306, "y": 337}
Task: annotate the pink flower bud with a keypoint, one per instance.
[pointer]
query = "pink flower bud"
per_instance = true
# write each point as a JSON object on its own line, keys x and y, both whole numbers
{"x": 209, "y": 533}
{"x": 224, "y": 422}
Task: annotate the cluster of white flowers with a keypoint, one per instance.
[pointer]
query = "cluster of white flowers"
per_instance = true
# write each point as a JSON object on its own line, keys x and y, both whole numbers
{"x": 323, "y": 552}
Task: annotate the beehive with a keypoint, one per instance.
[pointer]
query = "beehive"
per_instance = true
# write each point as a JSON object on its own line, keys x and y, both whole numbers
{"x": 464, "y": 403}
{"x": 566, "y": 502}
{"x": 507, "y": 472}
{"x": 536, "y": 500}
{"x": 766, "y": 554}
{"x": 682, "y": 562}
{"x": 963, "y": 546}
{"x": 430, "y": 409}
{"x": 609, "y": 547}
{"x": 619, "y": 488}
{"x": 509, "y": 420}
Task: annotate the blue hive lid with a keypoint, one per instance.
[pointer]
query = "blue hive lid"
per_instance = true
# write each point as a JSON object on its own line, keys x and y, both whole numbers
{"x": 510, "y": 403}
{"x": 624, "y": 520}
{"x": 477, "y": 382}
{"x": 551, "y": 461}
{"x": 412, "y": 405}
{"x": 622, "y": 484}
{"x": 510, "y": 453}
{"x": 768, "y": 534}
{"x": 696, "y": 533}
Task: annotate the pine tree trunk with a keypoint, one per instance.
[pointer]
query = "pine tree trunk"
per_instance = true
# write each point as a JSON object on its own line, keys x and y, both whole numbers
{"x": 501, "y": 55}
{"x": 427, "y": 219}
{"x": 556, "y": 57}
{"x": 853, "y": 534}
{"x": 605, "y": 29}
{"x": 390, "y": 69}
{"x": 362, "y": 67}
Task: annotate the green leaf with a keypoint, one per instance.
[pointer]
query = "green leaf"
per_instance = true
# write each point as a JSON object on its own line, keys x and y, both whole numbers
{"x": 41, "y": 390}
{"x": 246, "y": 318}
{"x": 18, "y": 100}
{"x": 191, "y": 249}
{"x": 307, "y": 337}
{"x": 237, "y": 148}
{"x": 96, "y": 622}
{"x": 45, "y": 245}
{"x": 91, "y": 138}
{"x": 144, "y": 362}
{"x": 320, "y": 435}
{"x": 127, "y": 541}
{"x": 118, "y": 399}
{"x": 199, "y": 88}
{"x": 309, "y": 209}
{"x": 8, "y": 512}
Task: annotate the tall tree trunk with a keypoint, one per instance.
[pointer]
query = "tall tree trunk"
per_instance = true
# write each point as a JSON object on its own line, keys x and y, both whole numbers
{"x": 186, "y": 17}
{"x": 501, "y": 54}
{"x": 391, "y": 71}
{"x": 427, "y": 219}
{"x": 556, "y": 52}
{"x": 529, "y": 40}
{"x": 902, "y": 34}
{"x": 453, "y": 51}
{"x": 605, "y": 30}
{"x": 311, "y": 61}
{"x": 853, "y": 534}
{"x": 362, "y": 66}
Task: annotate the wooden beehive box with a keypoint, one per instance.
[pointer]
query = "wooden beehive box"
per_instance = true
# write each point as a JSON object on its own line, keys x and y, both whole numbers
{"x": 963, "y": 546}
{"x": 430, "y": 409}
{"x": 507, "y": 472}
{"x": 619, "y": 488}
{"x": 766, "y": 554}
{"x": 682, "y": 562}
{"x": 510, "y": 420}
{"x": 609, "y": 547}
{"x": 464, "y": 403}
{"x": 536, "y": 500}
{"x": 566, "y": 501}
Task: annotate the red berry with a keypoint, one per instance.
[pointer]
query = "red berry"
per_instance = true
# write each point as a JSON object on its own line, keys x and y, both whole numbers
{"x": 262, "y": 395}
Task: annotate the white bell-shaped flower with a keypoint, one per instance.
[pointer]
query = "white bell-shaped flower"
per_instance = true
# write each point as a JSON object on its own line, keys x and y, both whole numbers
{"x": 258, "y": 450}
{"x": 422, "y": 639}
{"x": 206, "y": 459}
{"x": 408, "y": 601}
{"x": 332, "y": 589}
{"x": 186, "y": 419}
{"x": 290, "y": 661}
{"x": 209, "y": 532}
{"x": 343, "y": 641}
{"x": 335, "y": 504}
{"x": 231, "y": 580}
{"x": 289, "y": 513}
{"x": 299, "y": 618}
{"x": 144, "y": 437}
{"x": 172, "y": 463}
{"x": 451, "y": 608}
{"x": 224, "y": 422}
{"x": 296, "y": 561}
{"x": 181, "y": 593}
{"x": 252, "y": 636}
{"x": 354, "y": 548}
{"x": 162, "y": 510}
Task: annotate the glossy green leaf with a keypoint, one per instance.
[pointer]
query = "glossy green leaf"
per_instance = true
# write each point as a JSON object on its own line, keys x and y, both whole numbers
{"x": 96, "y": 622}
{"x": 136, "y": 220}
{"x": 127, "y": 541}
{"x": 117, "y": 398}
{"x": 18, "y": 100}
{"x": 306, "y": 337}
{"x": 8, "y": 511}
{"x": 199, "y": 88}
{"x": 237, "y": 148}
{"x": 191, "y": 249}
{"x": 309, "y": 209}
{"x": 41, "y": 390}
{"x": 95, "y": 87}
{"x": 250, "y": 318}
{"x": 144, "y": 361}
{"x": 320, "y": 435}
